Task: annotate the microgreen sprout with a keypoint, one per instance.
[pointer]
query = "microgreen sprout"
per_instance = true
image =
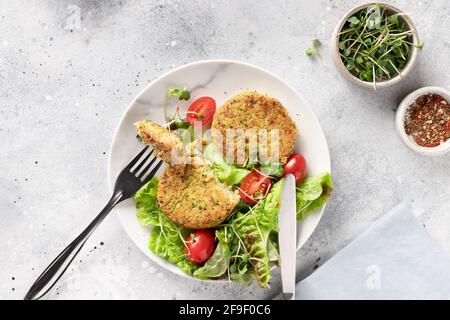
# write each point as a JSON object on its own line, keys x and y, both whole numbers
{"x": 182, "y": 94}
{"x": 375, "y": 44}
{"x": 310, "y": 52}
{"x": 314, "y": 50}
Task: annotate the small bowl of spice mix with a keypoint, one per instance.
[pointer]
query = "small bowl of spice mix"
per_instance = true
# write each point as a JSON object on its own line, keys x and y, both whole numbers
{"x": 423, "y": 121}
{"x": 375, "y": 45}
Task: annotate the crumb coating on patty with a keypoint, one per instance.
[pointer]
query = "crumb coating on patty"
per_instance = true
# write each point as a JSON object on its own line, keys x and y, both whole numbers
{"x": 168, "y": 147}
{"x": 253, "y": 110}
{"x": 195, "y": 199}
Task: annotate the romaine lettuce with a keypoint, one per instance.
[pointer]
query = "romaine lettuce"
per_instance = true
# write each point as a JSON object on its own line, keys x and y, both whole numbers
{"x": 166, "y": 242}
{"x": 272, "y": 169}
{"x": 253, "y": 229}
{"x": 227, "y": 173}
{"x": 247, "y": 240}
{"x": 216, "y": 265}
{"x": 313, "y": 193}
{"x": 148, "y": 210}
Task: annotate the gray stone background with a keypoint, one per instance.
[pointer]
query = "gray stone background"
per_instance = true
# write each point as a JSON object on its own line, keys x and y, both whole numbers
{"x": 68, "y": 70}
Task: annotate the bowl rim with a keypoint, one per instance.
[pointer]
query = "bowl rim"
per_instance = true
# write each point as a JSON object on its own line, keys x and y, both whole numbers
{"x": 385, "y": 83}
{"x": 400, "y": 117}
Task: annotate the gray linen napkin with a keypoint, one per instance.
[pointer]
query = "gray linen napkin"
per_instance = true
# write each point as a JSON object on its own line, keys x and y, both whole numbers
{"x": 394, "y": 259}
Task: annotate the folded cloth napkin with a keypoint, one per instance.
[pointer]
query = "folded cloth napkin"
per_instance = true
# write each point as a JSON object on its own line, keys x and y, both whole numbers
{"x": 394, "y": 259}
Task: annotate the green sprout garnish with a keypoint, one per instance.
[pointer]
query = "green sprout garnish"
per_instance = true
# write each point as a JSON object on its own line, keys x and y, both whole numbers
{"x": 182, "y": 94}
{"x": 314, "y": 50}
{"x": 375, "y": 44}
{"x": 310, "y": 52}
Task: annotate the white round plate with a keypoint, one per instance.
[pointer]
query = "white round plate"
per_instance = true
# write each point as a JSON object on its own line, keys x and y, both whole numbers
{"x": 219, "y": 79}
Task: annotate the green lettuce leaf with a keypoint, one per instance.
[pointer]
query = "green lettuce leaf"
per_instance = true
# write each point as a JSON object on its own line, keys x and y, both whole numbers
{"x": 253, "y": 229}
{"x": 166, "y": 238}
{"x": 216, "y": 265}
{"x": 272, "y": 250}
{"x": 272, "y": 169}
{"x": 166, "y": 242}
{"x": 244, "y": 279}
{"x": 313, "y": 193}
{"x": 148, "y": 210}
{"x": 227, "y": 173}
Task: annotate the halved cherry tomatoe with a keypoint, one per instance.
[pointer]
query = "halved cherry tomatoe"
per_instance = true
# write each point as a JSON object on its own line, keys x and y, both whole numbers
{"x": 200, "y": 245}
{"x": 295, "y": 164}
{"x": 202, "y": 109}
{"x": 254, "y": 187}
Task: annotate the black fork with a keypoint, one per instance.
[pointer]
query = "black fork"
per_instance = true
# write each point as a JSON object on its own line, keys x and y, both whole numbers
{"x": 137, "y": 173}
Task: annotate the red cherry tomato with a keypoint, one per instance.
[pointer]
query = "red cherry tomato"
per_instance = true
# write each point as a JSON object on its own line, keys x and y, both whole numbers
{"x": 295, "y": 164}
{"x": 199, "y": 245}
{"x": 254, "y": 187}
{"x": 202, "y": 109}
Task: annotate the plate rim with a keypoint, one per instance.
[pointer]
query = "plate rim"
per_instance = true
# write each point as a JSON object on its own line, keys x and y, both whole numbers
{"x": 111, "y": 181}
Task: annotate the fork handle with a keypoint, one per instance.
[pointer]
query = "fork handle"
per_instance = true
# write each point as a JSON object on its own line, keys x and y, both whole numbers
{"x": 56, "y": 269}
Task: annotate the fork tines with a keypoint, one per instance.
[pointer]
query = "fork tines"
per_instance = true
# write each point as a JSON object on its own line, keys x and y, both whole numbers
{"x": 142, "y": 163}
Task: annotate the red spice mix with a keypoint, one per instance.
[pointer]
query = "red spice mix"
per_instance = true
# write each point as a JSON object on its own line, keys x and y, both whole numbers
{"x": 427, "y": 120}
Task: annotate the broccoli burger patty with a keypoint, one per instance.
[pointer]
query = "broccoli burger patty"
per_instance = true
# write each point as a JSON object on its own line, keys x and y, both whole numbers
{"x": 195, "y": 199}
{"x": 168, "y": 147}
{"x": 255, "y": 111}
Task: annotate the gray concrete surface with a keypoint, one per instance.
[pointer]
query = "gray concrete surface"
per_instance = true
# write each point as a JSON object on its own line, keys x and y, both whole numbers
{"x": 69, "y": 68}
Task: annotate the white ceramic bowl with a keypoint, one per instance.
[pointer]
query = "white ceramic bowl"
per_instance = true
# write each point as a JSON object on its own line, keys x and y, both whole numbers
{"x": 220, "y": 79}
{"x": 382, "y": 84}
{"x": 400, "y": 118}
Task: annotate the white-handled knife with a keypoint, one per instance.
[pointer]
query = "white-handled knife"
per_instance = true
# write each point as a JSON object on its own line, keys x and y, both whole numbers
{"x": 287, "y": 237}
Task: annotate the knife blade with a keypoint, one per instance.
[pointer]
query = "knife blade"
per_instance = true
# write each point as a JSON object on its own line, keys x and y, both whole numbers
{"x": 287, "y": 237}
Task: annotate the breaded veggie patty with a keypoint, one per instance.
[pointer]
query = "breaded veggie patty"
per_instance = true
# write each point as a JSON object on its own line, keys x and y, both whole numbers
{"x": 165, "y": 143}
{"x": 195, "y": 199}
{"x": 253, "y": 110}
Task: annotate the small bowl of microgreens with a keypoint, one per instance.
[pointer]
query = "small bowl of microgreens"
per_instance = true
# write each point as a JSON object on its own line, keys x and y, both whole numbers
{"x": 375, "y": 45}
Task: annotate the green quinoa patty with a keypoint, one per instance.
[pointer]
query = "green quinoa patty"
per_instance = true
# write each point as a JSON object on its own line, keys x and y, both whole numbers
{"x": 163, "y": 141}
{"x": 253, "y": 110}
{"x": 195, "y": 199}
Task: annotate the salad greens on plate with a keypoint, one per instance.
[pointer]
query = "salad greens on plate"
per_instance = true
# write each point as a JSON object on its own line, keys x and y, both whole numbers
{"x": 243, "y": 247}
{"x": 247, "y": 243}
